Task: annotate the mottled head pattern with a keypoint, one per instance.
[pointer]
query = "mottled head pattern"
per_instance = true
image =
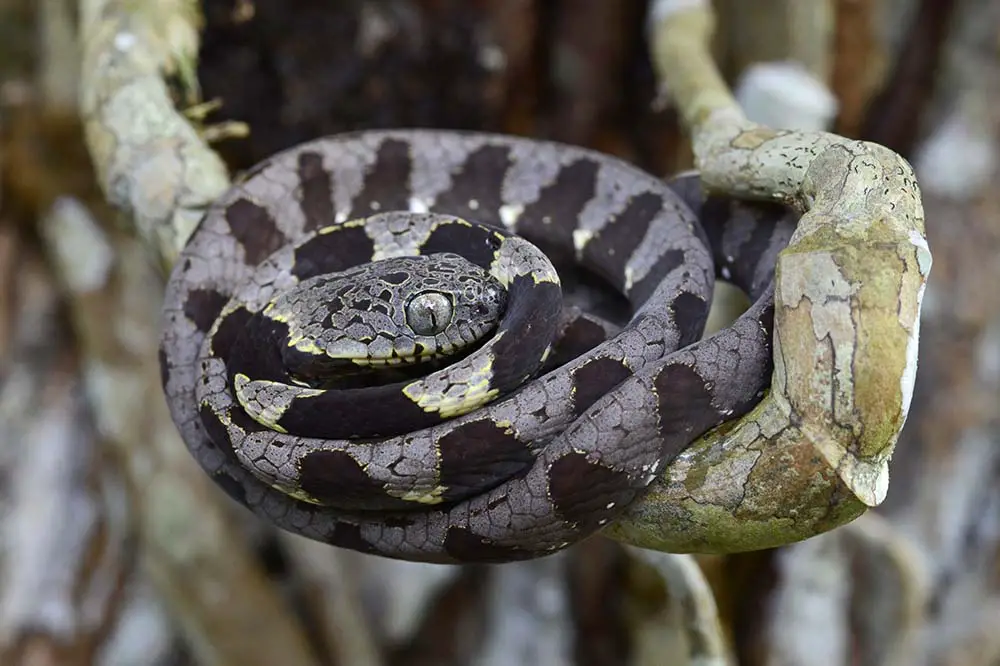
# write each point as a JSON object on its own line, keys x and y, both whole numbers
{"x": 395, "y": 311}
{"x": 332, "y": 337}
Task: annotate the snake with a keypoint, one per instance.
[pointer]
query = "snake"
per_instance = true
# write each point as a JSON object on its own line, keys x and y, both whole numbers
{"x": 454, "y": 347}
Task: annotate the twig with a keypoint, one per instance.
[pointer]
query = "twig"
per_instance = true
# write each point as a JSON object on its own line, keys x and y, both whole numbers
{"x": 150, "y": 161}
{"x": 814, "y": 453}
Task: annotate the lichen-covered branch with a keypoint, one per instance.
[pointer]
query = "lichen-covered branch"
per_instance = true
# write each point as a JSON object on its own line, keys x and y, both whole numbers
{"x": 151, "y": 162}
{"x": 814, "y": 453}
{"x": 157, "y": 170}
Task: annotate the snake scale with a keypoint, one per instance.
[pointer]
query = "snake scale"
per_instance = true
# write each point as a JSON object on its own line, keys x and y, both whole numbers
{"x": 598, "y": 400}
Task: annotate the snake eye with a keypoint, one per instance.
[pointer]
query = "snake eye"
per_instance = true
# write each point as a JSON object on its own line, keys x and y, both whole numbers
{"x": 429, "y": 313}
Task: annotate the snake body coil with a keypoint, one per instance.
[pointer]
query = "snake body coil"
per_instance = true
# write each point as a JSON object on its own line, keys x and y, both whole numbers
{"x": 294, "y": 343}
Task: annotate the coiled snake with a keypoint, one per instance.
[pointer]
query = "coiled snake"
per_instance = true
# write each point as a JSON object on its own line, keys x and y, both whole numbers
{"x": 457, "y": 412}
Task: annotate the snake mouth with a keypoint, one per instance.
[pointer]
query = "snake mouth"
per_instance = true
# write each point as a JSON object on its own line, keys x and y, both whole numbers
{"x": 394, "y": 361}
{"x": 350, "y": 373}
